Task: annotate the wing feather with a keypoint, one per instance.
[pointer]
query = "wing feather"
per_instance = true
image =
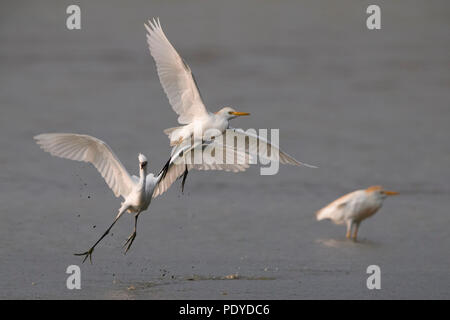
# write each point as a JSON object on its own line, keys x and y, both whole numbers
{"x": 175, "y": 75}
{"x": 85, "y": 148}
{"x": 259, "y": 146}
{"x": 179, "y": 162}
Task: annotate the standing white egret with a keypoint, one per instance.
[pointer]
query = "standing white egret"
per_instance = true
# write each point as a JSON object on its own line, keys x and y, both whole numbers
{"x": 354, "y": 207}
{"x": 184, "y": 96}
{"x": 137, "y": 192}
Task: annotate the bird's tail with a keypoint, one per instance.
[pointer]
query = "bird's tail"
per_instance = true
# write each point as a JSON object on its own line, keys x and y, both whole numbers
{"x": 334, "y": 214}
{"x": 324, "y": 213}
{"x": 320, "y": 215}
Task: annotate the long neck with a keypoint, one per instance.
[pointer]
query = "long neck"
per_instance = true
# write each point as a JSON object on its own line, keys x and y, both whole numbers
{"x": 142, "y": 177}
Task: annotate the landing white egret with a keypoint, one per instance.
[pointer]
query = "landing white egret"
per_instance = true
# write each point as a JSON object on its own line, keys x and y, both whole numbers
{"x": 137, "y": 192}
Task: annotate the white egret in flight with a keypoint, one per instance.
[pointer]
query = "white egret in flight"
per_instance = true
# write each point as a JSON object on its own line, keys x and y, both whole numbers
{"x": 137, "y": 192}
{"x": 354, "y": 207}
{"x": 180, "y": 87}
{"x": 184, "y": 96}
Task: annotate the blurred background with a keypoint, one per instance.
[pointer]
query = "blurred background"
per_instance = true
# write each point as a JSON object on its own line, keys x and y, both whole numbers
{"x": 367, "y": 107}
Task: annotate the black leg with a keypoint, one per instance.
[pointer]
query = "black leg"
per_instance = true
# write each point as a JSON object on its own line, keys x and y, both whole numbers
{"x": 91, "y": 250}
{"x": 131, "y": 238}
{"x": 184, "y": 179}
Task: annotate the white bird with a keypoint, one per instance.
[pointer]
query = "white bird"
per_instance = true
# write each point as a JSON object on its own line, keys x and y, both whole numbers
{"x": 181, "y": 89}
{"x": 355, "y": 207}
{"x": 137, "y": 192}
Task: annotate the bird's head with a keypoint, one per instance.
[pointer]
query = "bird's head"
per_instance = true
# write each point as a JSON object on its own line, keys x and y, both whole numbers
{"x": 229, "y": 113}
{"x": 142, "y": 161}
{"x": 380, "y": 192}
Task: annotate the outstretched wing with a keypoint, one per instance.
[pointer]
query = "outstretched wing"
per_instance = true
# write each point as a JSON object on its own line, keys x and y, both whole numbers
{"x": 89, "y": 149}
{"x": 259, "y": 146}
{"x": 183, "y": 160}
{"x": 175, "y": 76}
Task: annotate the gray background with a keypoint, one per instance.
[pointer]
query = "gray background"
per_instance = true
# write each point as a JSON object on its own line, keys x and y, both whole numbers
{"x": 368, "y": 107}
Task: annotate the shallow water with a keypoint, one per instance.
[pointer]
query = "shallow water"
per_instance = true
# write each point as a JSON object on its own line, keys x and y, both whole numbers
{"x": 367, "y": 107}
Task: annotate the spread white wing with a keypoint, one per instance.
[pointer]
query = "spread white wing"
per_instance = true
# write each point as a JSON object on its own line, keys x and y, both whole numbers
{"x": 89, "y": 149}
{"x": 184, "y": 160}
{"x": 259, "y": 146}
{"x": 175, "y": 76}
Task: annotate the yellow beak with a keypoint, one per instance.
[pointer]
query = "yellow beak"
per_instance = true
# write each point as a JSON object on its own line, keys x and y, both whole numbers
{"x": 390, "y": 193}
{"x": 235, "y": 113}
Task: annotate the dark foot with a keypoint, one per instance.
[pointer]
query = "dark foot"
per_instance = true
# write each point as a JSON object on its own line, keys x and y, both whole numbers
{"x": 86, "y": 254}
{"x": 129, "y": 242}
